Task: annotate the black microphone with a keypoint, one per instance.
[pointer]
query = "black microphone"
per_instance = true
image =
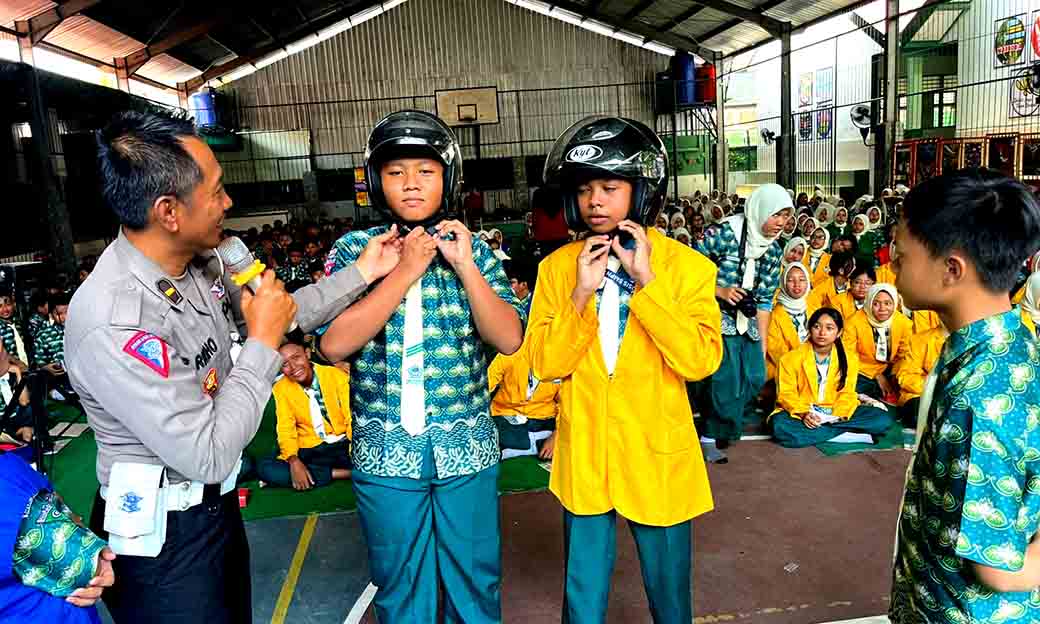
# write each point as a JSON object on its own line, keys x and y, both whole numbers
{"x": 246, "y": 271}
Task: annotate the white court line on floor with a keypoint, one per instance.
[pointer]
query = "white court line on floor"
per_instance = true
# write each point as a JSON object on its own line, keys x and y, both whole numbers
{"x": 755, "y": 438}
{"x": 877, "y": 619}
{"x": 361, "y": 606}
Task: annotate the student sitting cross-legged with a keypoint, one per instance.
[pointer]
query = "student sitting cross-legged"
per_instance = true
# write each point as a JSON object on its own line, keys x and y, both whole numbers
{"x": 313, "y": 408}
{"x": 789, "y": 323}
{"x": 878, "y": 336}
{"x": 816, "y": 390}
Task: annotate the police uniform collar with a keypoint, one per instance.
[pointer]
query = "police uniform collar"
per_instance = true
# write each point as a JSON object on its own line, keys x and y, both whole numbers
{"x": 148, "y": 272}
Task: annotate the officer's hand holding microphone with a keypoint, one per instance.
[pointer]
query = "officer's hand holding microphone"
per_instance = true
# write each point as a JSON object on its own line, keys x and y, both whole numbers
{"x": 269, "y": 312}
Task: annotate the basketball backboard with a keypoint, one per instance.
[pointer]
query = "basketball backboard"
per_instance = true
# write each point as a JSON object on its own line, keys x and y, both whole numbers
{"x": 477, "y": 106}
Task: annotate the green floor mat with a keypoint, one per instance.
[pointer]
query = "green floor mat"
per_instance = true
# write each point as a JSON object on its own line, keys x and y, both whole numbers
{"x": 73, "y": 474}
{"x": 892, "y": 440}
{"x": 63, "y": 412}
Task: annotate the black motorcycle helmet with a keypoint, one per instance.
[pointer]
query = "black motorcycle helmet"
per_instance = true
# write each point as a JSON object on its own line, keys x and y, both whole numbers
{"x": 414, "y": 134}
{"x": 609, "y": 147}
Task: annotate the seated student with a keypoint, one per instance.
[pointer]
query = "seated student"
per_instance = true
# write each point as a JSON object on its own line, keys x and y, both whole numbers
{"x": 20, "y": 425}
{"x": 523, "y": 407}
{"x": 864, "y": 239}
{"x": 9, "y": 333}
{"x": 912, "y": 371}
{"x": 885, "y": 274}
{"x": 294, "y": 273}
{"x": 846, "y": 243}
{"x": 789, "y": 323}
{"x": 790, "y": 229}
{"x": 816, "y": 390}
{"x": 312, "y": 404}
{"x": 41, "y": 313}
{"x": 852, "y": 300}
{"x": 878, "y": 336}
{"x": 794, "y": 251}
{"x": 316, "y": 271}
{"x": 818, "y": 260}
{"x": 840, "y": 226}
{"x": 808, "y": 227}
{"x": 824, "y": 293}
{"x": 49, "y": 350}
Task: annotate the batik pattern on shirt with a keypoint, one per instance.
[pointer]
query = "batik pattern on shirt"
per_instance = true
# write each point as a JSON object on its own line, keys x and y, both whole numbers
{"x": 53, "y": 553}
{"x": 973, "y": 493}
{"x": 50, "y": 345}
{"x": 722, "y": 246}
{"x": 455, "y": 359}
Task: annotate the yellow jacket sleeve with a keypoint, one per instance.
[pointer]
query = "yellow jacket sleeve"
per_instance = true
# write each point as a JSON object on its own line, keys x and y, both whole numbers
{"x": 288, "y": 444}
{"x": 847, "y": 401}
{"x": 902, "y": 329}
{"x": 775, "y": 346}
{"x": 910, "y": 371}
{"x": 788, "y": 396}
{"x": 558, "y": 334}
{"x": 686, "y": 327}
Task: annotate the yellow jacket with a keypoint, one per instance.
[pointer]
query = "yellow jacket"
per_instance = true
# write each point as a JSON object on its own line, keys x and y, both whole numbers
{"x": 846, "y": 304}
{"x": 509, "y": 373}
{"x": 859, "y": 342}
{"x": 797, "y": 388}
{"x": 822, "y": 295}
{"x": 921, "y": 356}
{"x": 885, "y": 274}
{"x": 822, "y": 271}
{"x": 627, "y": 441}
{"x": 782, "y": 337}
{"x": 293, "y": 410}
{"x": 1019, "y": 296}
{"x": 925, "y": 320}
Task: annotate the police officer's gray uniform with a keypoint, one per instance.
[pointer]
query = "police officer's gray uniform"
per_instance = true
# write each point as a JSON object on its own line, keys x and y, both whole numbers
{"x": 150, "y": 357}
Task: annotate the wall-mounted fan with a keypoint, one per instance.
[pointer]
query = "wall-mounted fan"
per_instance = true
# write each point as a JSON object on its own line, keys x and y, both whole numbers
{"x": 862, "y": 119}
{"x": 768, "y": 136}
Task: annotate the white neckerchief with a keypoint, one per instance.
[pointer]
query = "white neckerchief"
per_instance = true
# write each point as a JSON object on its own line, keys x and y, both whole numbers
{"x": 610, "y": 316}
{"x": 6, "y": 391}
{"x": 413, "y": 392}
{"x": 532, "y": 384}
{"x": 19, "y": 346}
{"x": 822, "y": 368}
{"x": 317, "y": 418}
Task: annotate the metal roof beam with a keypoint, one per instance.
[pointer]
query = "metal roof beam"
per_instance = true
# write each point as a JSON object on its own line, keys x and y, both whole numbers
{"x": 249, "y": 56}
{"x": 682, "y": 17}
{"x": 637, "y": 9}
{"x": 136, "y": 60}
{"x": 42, "y": 24}
{"x": 756, "y": 16}
{"x": 868, "y": 29}
{"x": 679, "y": 42}
{"x": 799, "y": 27}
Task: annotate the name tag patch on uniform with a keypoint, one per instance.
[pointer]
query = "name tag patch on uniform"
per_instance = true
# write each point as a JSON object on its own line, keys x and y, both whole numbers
{"x": 209, "y": 349}
{"x": 209, "y": 385}
{"x": 150, "y": 350}
{"x": 218, "y": 289}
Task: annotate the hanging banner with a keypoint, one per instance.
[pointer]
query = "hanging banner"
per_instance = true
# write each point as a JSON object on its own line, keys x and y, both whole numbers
{"x": 805, "y": 89}
{"x": 1022, "y": 101}
{"x": 824, "y": 123}
{"x": 805, "y": 128}
{"x": 824, "y": 85}
{"x": 1009, "y": 42}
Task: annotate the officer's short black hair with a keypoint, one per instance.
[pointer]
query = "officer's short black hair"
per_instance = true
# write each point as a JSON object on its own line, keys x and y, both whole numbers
{"x": 141, "y": 158}
{"x": 992, "y": 219}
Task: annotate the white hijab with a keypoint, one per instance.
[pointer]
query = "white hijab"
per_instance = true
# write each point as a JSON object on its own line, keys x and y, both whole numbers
{"x": 677, "y": 221}
{"x": 682, "y": 232}
{"x": 791, "y": 244}
{"x": 881, "y": 218}
{"x": 766, "y": 201}
{"x": 1031, "y": 302}
{"x": 796, "y": 307}
{"x": 881, "y": 346}
{"x": 866, "y": 225}
{"x": 816, "y": 254}
{"x": 829, "y": 209}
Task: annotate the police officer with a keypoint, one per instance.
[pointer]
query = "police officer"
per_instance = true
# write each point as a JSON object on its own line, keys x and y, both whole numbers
{"x": 149, "y": 349}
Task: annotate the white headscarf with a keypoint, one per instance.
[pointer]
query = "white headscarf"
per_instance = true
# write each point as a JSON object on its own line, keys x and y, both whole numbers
{"x": 829, "y": 209}
{"x": 1031, "y": 302}
{"x": 677, "y": 221}
{"x": 866, "y": 225}
{"x": 766, "y": 201}
{"x": 791, "y": 244}
{"x": 881, "y": 218}
{"x": 882, "y": 328}
{"x": 806, "y": 233}
{"x": 676, "y": 233}
{"x": 796, "y": 307}
{"x": 836, "y": 211}
{"x": 816, "y": 254}
{"x": 833, "y": 200}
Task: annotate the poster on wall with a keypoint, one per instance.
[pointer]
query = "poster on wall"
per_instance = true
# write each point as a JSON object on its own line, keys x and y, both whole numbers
{"x": 901, "y": 164}
{"x": 824, "y": 123}
{"x": 1021, "y": 102}
{"x": 973, "y": 154}
{"x": 805, "y": 89}
{"x": 951, "y": 156}
{"x": 824, "y": 85}
{"x": 1009, "y": 42}
{"x": 926, "y": 161}
{"x": 1003, "y": 153}
{"x": 1034, "y": 36}
{"x": 1031, "y": 157}
{"x": 805, "y": 128}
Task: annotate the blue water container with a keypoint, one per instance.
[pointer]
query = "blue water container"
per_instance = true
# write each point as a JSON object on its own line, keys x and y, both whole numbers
{"x": 203, "y": 107}
{"x": 684, "y": 72}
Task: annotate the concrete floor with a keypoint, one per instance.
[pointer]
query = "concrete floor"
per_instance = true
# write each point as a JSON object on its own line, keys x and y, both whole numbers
{"x": 829, "y": 521}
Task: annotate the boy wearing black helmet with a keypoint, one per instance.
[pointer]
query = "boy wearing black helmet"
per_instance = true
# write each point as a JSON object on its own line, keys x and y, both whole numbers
{"x": 424, "y": 449}
{"x": 625, "y": 318}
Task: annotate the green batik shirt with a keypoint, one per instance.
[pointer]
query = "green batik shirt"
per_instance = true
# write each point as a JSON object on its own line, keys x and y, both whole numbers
{"x": 459, "y": 427}
{"x": 36, "y": 322}
{"x": 293, "y": 273}
{"x": 50, "y": 345}
{"x": 973, "y": 491}
{"x": 52, "y": 552}
{"x": 7, "y": 335}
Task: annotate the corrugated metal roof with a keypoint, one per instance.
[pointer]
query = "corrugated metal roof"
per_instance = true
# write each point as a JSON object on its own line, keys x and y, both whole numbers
{"x": 13, "y": 10}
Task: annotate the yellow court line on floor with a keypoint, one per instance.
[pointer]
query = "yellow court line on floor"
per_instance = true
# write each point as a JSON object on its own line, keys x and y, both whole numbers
{"x": 281, "y": 608}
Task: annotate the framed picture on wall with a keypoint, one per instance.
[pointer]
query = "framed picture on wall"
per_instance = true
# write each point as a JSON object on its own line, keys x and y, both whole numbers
{"x": 902, "y": 163}
{"x": 974, "y": 153}
{"x": 950, "y": 156}
{"x": 926, "y": 161}
{"x": 1029, "y": 161}
{"x": 1009, "y": 41}
{"x": 1003, "y": 153}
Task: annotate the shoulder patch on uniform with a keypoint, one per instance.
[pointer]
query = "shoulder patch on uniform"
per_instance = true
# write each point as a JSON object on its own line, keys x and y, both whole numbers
{"x": 218, "y": 289}
{"x": 210, "y": 383}
{"x": 169, "y": 291}
{"x": 150, "y": 350}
